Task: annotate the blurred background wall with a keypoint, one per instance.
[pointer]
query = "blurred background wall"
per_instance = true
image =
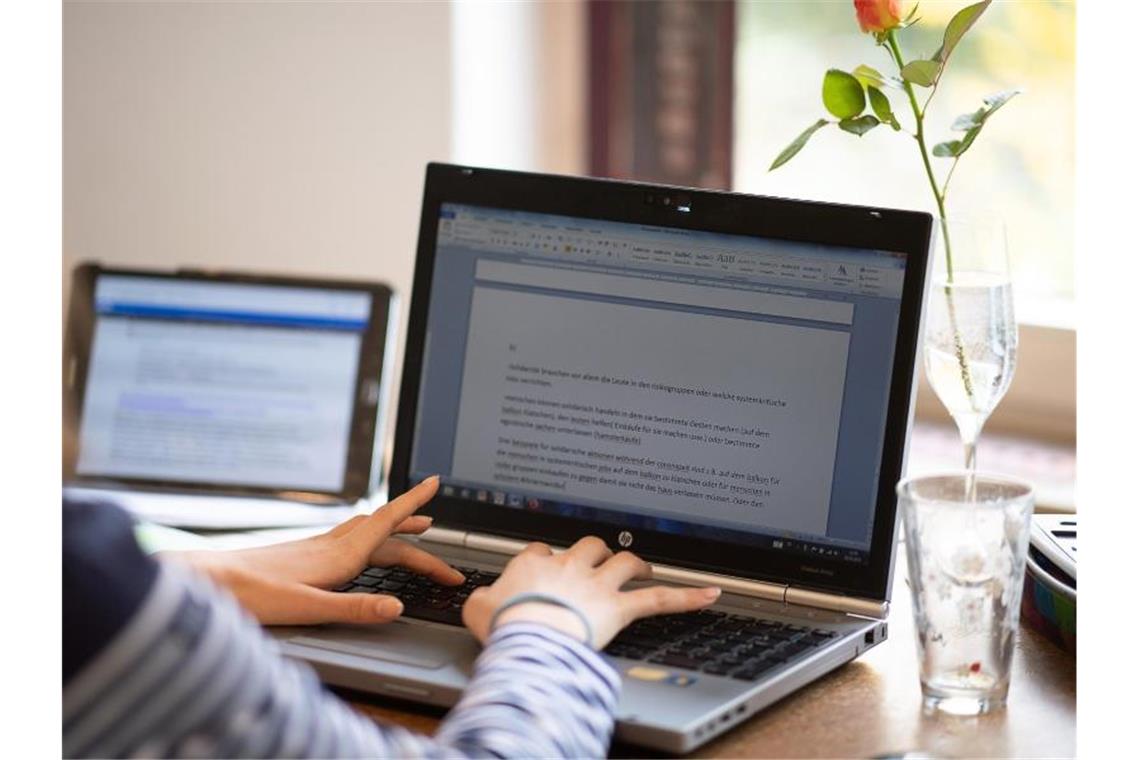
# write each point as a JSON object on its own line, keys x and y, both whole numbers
{"x": 291, "y": 136}
{"x": 280, "y": 137}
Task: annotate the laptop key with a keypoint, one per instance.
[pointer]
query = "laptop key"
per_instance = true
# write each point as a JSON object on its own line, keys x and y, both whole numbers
{"x": 639, "y": 641}
{"x": 791, "y": 650}
{"x": 747, "y": 674}
{"x": 717, "y": 669}
{"x": 436, "y": 616}
{"x": 679, "y": 661}
{"x": 629, "y": 653}
{"x": 819, "y": 637}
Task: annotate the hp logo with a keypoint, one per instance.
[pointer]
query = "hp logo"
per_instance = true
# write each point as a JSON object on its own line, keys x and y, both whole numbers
{"x": 625, "y": 539}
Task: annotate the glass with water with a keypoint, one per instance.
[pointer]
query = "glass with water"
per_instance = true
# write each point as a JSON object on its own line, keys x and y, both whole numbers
{"x": 970, "y": 349}
{"x": 966, "y": 560}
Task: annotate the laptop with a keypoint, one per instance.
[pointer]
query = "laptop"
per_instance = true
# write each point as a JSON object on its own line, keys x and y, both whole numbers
{"x": 224, "y": 400}
{"x": 721, "y": 383}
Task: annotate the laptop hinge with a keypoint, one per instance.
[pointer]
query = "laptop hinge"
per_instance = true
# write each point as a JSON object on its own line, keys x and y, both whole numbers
{"x": 872, "y": 608}
{"x": 777, "y": 592}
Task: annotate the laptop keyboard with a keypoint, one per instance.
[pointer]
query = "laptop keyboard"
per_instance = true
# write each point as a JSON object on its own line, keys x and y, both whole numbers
{"x": 708, "y": 641}
{"x": 423, "y": 599}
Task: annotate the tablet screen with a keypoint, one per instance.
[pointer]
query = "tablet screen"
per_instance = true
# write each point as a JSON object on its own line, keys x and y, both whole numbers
{"x": 221, "y": 382}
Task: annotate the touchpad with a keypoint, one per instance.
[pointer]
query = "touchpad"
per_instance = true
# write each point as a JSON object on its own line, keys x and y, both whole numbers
{"x": 417, "y": 645}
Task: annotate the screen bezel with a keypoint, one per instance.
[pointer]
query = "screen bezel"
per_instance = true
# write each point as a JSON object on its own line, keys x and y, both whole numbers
{"x": 358, "y": 478}
{"x": 906, "y": 232}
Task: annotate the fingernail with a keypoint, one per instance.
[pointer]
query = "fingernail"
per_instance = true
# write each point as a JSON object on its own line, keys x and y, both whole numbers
{"x": 712, "y": 592}
{"x": 390, "y": 607}
{"x": 433, "y": 479}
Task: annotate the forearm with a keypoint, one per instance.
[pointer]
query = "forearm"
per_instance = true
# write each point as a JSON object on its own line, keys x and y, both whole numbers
{"x": 193, "y": 676}
{"x": 536, "y": 693}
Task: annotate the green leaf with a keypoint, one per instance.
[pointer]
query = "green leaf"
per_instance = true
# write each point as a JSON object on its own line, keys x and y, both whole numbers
{"x": 955, "y": 148}
{"x": 871, "y": 77}
{"x": 795, "y": 146}
{"x": 969, "y": 120}
{"x": 882, "y": 107}
{"x": 958, "y": 27}
{"x": 860, "y": 126}
{"x": 842, "y": 94}
{"x": 867, "y": 76}
{"x": 948, "y": 149}
{"x": 922, "y": 73}
{"x": 990, "y": 104}
{"x": 999, "y": 99}
{"x": 972, "y": 123}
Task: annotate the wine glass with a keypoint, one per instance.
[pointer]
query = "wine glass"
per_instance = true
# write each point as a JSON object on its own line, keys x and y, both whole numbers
{"x": 970, "y": 348}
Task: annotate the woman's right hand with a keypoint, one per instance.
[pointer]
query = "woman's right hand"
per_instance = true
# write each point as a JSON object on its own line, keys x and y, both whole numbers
{"x": 588, "y": 576}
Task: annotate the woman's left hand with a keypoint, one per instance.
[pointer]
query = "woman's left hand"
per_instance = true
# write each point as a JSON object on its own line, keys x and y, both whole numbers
{"x": 288, "y": 583}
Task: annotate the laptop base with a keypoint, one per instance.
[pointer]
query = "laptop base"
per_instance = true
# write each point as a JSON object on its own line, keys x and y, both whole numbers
{"x": 661, "y": 707}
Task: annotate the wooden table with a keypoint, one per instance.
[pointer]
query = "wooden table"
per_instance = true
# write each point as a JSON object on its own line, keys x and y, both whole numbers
{"x": 873, "y": 707}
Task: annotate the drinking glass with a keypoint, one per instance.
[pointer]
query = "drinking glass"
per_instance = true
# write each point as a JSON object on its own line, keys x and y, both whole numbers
{"x": 966, "y": 539}
{"x": 970, "y": 348}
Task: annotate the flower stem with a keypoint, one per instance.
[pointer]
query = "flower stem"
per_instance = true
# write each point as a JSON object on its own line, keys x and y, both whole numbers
{"x": 940, "y": 200}
{"x": 920, "y": 136}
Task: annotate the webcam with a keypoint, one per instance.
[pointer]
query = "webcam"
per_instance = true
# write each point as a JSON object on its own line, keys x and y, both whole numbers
{"x": 668, "y": 199}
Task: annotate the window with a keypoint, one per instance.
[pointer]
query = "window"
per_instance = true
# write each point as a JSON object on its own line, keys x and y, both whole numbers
{"x": 1021, "y": 167}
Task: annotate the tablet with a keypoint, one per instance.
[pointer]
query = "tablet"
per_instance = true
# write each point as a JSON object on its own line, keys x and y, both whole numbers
{"x": 202, "y": 382}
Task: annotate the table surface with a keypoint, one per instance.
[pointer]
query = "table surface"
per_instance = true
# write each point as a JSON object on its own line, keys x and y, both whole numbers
{"x": 873, "y": 706}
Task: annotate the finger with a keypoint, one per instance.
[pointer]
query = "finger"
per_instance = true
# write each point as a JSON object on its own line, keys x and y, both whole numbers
{"x": 418, "y": 561}
{"x": 275, "y": 602}
{"x": 344, "y": 527}
{"x": 311, "y": 606}
{"x": 537, "y": 548}
{"x": 415, "y": 524}
{"x": 664, "y": 600}
{"x": 477, "y": 613}
{"x": 624, "y": 566}
{"x": 590, "y": 551}
{"x": 380, "y": 524}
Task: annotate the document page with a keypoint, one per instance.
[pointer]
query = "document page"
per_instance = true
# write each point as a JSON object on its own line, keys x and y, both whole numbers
{"x": 731, "y": 421}
{"x": 244, "y": 405}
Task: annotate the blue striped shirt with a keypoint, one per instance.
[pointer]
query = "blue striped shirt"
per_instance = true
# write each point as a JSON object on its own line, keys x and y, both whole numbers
{"x": 189, "y": 674}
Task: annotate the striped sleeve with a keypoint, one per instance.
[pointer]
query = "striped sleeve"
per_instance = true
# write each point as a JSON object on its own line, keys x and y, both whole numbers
{"x": 191, "y": 676}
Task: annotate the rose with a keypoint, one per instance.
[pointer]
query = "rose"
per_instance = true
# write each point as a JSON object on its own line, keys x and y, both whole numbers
{"x": 847, "y": 95}
{"x": 878, "y": 16}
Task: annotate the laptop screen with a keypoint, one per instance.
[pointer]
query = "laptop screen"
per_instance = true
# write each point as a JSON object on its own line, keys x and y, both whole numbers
{"x": 701, "y": 384}
{"x": 221, "y": 382}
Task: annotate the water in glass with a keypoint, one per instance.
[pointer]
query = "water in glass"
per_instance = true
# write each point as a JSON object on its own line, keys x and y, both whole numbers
{"x": 970, "y": 348}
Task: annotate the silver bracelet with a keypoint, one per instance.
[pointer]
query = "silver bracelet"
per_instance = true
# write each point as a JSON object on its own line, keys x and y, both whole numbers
{"x": 537, "y": 596}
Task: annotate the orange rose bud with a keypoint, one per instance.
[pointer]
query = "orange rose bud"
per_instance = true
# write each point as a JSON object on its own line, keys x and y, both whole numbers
{"x": 878, "y": 15}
